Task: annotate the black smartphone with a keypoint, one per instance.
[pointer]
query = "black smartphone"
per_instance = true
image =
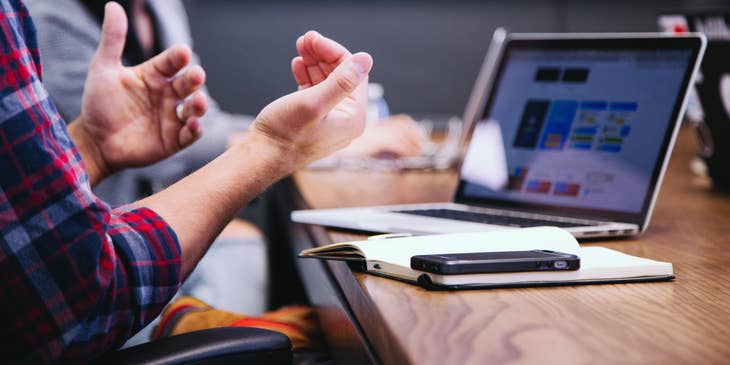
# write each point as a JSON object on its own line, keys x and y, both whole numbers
{"x": 494, "y": 262}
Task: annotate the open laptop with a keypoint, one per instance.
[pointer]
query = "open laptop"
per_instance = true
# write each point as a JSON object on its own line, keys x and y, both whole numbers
{"x": 710, "y": 110}
{"x": 573, "y": 131}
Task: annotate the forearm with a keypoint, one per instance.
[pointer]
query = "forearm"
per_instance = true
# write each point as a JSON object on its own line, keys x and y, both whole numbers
{"x": 200, "y": 205}
{"x": 89, "y": 151}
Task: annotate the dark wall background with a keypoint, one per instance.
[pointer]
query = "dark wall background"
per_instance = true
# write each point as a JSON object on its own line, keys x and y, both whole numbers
{"x": 427, "y": 53}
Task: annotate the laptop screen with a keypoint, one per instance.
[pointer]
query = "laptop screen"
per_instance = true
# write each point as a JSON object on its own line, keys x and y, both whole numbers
{"x": 578, "y": 126}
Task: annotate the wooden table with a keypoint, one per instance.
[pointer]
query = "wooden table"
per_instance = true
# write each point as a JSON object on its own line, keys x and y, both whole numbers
{"x": 374, "y": 319}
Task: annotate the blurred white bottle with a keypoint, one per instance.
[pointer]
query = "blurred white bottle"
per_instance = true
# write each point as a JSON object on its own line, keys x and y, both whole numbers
{"x": 377, "y": 106}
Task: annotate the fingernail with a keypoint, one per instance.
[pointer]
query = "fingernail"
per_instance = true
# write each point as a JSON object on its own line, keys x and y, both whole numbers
{"x": 363, "y": 62}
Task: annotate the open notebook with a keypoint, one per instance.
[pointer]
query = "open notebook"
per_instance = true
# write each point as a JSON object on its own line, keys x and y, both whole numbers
{"x": 391, "y": 257}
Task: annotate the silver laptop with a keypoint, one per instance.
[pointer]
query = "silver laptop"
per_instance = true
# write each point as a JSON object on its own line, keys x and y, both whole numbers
{"x": 568, "y": 130}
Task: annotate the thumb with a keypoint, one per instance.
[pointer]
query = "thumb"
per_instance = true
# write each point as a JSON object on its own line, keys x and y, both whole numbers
{"x": 113, "y": 34}
{"x": 341, "y": 82}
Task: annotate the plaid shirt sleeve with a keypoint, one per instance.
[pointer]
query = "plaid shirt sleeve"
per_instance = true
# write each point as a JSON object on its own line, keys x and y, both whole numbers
{"x": 76, "y": 277}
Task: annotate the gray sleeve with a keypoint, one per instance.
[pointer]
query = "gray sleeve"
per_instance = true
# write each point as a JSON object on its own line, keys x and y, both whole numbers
{"x": 67, "y": 40}
{"x": 217, "y": 124}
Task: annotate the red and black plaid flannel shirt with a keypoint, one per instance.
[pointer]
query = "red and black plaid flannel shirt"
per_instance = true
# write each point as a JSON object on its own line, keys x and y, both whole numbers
{"x": 76, "y": 277}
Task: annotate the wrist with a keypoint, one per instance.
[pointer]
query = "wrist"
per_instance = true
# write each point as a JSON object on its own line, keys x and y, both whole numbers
{"x": 277, "y": 156}
{"x": 91, "y": 154}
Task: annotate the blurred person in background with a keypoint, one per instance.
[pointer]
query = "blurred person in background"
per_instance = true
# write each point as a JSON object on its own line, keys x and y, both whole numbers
{"x": 68, "y": 40}
{"x": 81, "y": 277}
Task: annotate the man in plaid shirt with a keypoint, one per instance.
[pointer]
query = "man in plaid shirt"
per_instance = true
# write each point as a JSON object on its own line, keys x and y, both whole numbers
{"x": 78, "y": 277}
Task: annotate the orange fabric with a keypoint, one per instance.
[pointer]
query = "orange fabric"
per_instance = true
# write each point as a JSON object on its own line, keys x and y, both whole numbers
{"x": 296, "y": 322}
{"x": 166, "y": 319}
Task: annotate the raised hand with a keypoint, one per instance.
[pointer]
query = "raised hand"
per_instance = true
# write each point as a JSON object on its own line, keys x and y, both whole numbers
{"x": 399, "y": 136}
{"x": 288, "y": 133}
{"x": 318, "y": 57}
{"x": 130, "y": 115}
{"x": 329, "y": 109}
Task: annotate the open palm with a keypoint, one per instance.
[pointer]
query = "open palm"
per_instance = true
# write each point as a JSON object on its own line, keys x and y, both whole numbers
{"x": 130, "y": 112}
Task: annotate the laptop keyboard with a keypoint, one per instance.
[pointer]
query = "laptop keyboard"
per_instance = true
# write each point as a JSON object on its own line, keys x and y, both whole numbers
{"x": 487, "y": 218}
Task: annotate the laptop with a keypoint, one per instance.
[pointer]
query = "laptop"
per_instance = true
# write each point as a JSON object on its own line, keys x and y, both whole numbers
{"x": 572, "y": 130}
{"x": 710, "y": 109}
{"x": 434, "y": 156}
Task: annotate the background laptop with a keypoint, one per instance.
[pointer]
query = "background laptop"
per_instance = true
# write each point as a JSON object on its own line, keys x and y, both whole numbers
{"x": 710, "y": 111}
{"x": 575, "y": 131}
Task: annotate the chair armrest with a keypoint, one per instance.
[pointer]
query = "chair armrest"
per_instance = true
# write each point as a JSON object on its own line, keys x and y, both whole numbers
{"x": 226, "y": 345}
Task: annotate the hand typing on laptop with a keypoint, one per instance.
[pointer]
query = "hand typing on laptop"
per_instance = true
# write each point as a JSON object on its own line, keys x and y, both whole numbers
{"x": 397, "y": 136}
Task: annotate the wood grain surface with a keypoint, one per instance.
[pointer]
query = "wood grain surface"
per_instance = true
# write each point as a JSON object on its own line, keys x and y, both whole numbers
{"x": 685, "y": 321}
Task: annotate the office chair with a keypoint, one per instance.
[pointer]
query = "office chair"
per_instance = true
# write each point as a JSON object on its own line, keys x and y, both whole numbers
{"x": 225, "y": 345}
